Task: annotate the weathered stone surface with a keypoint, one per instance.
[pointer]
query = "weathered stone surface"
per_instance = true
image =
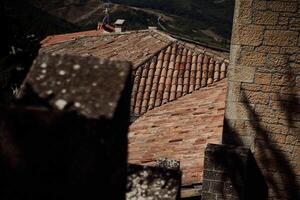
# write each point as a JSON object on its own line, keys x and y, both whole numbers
{"x": 242, "y": 73}
{"x": 268, "y": 49}
{"x": 237, "y": 110}
{"x": 266, "y": 99}
{"x": 295, "y": 24}
{"x": 244, "y": 13}
{"x": 263, "y": 78}
{"x": 277, "y": 60}
{"x": 283, "y": 79}
{"x": 232, "y": 173}
{"x": 283, "y": 20}
{"x": 282, "y": 6}
{"x": 254, "y": 97}
{"x": 152, "y": 183}
{"x": 259, "y": 5}
{"x": 280, "y": 38}
{"x": 266, "y": 18}
{"x": 63, "y": 154}
{"x": 252, "y": 59}
{"x": 234, "y": 90}
{"x": 248, "y": 35}
{"x": 168, "y": 164}
{"x": 90, "y": 86}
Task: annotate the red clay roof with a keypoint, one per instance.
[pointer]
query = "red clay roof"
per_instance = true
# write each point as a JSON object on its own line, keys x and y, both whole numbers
{"x": 180, "y": 130}
{"x": 136, "y": 46}
{"x": 54, "y": 39}
{"x": 174, "y": 72}
{"x": 164, "y": 68}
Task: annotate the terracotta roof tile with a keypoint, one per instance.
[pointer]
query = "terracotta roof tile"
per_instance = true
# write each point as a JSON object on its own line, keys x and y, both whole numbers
{"x": 164, "y": 68}
{"x": 54, "y": 39}
{"x": 180, "y": 130}
{"x": 136, "y": 46}
{"x": 177, "y": 72}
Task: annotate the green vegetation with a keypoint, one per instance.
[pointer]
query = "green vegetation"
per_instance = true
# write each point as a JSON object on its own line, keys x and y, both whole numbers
{"x": 200, "y": 20}
{"x": 205, "y": 21}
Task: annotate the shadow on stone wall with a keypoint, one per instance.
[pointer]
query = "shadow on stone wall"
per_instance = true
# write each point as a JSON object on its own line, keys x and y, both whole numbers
{"x": 232, "y": 173}
{"x": 271, "y": 158}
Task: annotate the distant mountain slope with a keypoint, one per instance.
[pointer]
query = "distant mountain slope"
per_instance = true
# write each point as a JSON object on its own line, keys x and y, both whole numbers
{"x": 207, "y": 21}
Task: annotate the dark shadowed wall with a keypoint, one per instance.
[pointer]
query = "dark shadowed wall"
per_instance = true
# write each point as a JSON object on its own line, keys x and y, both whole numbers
{"x": 263, "y": 111}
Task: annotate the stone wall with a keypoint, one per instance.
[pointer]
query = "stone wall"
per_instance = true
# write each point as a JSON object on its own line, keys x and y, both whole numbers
{"x": 231, "y": 173}
{"x": 263, "y": 111}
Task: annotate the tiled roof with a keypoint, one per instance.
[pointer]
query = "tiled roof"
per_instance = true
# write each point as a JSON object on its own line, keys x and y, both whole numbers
{"x": 180, "y": 130}
{"x": 174, "y": 72}
{"x": 54, "y": 39}
{"x": 136, "y": 47}
{"x": 165, "y": 69}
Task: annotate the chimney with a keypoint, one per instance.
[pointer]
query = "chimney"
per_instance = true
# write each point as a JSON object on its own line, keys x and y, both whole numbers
{"x": 152, "y": 27}
{"x": 120, "y": 25}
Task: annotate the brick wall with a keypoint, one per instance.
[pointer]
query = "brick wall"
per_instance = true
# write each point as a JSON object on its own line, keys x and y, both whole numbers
{"x": 263, "y": 111}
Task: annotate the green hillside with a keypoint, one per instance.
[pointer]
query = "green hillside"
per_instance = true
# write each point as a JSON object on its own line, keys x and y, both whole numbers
{"x": 25, "y": 23}
{"x": 200, "y": 20}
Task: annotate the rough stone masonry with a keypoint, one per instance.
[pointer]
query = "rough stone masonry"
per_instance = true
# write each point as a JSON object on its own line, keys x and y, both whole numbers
{"x": 263, "y": 111}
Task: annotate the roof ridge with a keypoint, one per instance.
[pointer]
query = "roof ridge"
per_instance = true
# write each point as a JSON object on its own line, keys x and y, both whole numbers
{"x": 163, "y": 34}
{"x": 204, "y": 50}
{"x": 152, "y": 56}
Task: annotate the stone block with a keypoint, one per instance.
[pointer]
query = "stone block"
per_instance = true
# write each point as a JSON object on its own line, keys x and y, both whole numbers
{"x": 265, "y": 18}
{"x": 244, "y": 12}
{"x": 214, "y": 175}
{"x": 282, "y": 6}
{"x": 260, "y": 5}
{"x": 295, "y": 24}
{"x": 242, "y": 74}
{"x": 267, "y": 49}
{"x": 238, "y": 111}
{"x": 280, "y": 38}
{"x": 233, "y": 91}
{"x": 76, "y": 83}
{"x": 247, "y": 35}
{"x": 251, "y": 87}
{"x": 242, "y": 178}
{"x": 217, "y": 187}
{"x": 283, "y": 79}
{"x": 253, "y": 97}
{"x": 152, "y": 183}
{"x": 168, "y": 163}
{"x": 59, "y": 144}
{"x": 263, "y": 78}
{"x": 283, "y": 20}
{"x": 209, "y": 196}
{"x": 277, "y": 60}
{"x": 252, "y": 59}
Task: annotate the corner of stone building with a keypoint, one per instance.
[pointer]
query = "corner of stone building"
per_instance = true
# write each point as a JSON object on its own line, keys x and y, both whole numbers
{"x": 263, "y": 97}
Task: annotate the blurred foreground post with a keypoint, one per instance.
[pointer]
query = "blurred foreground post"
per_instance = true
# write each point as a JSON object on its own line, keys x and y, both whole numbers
{"x": 66, "y": 138}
